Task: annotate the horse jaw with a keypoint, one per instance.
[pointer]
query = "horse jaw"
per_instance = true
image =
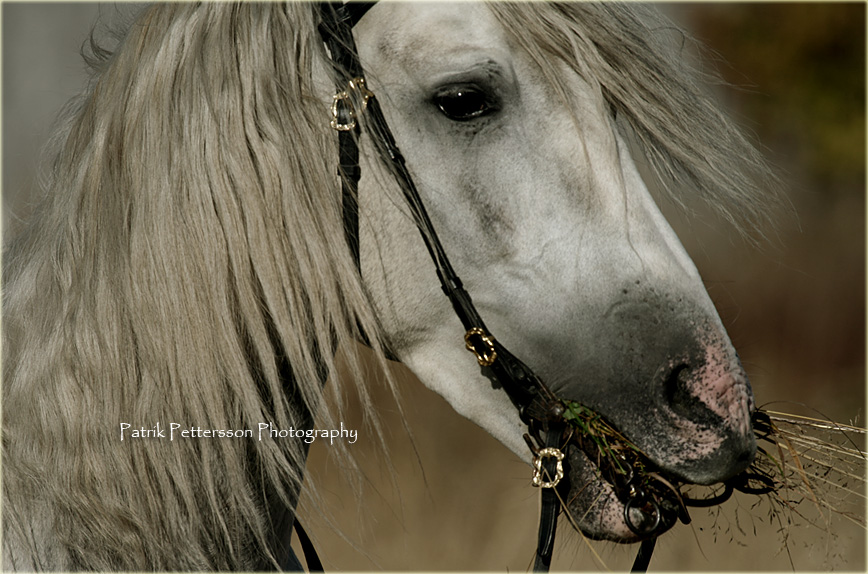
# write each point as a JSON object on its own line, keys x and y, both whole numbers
{"x": 565, "y": 253}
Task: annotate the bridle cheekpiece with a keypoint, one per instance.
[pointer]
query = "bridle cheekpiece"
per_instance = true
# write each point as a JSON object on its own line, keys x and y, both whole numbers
{"x": 539, "y": 408}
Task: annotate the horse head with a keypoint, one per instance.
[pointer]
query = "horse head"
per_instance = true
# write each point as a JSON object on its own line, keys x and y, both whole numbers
{"x": 188, "y": 266}
{"x": 534, "y": 193}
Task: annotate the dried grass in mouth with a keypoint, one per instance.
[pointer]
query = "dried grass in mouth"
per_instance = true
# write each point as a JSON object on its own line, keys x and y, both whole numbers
{"x": 799, "y": 459}
{"x": 815, "y": 460}
{"x": 808, "y": 475}
{"x": 816, "y": 469}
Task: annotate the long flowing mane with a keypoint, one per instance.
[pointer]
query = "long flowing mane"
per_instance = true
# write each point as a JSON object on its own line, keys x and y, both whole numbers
{"x": 188, "y": 265}
{"x": 639, "y": 61}
{"x": 187, "y": 246}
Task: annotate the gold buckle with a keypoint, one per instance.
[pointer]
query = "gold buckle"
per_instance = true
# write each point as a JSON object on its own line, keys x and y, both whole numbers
{"x": 537, "y": 467}
{"x": 356, "y": 86}
{"x": 485, "y": 358}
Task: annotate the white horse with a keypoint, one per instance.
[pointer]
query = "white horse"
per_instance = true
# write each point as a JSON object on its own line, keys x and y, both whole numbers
{"x": 188, "y": 265}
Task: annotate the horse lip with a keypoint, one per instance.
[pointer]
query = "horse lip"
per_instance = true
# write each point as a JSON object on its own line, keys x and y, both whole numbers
{"x": 600, "y": 508}
{"x": 711, "y": 456}
{"x": 604, "y": 515}
{"x": 640, "y": 498}
{"x": 591, "y": 499}
{"x": 734, "y": 461}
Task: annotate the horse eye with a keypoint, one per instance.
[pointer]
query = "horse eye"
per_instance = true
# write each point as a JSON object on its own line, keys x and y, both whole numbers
{"x": 462, "y": 104}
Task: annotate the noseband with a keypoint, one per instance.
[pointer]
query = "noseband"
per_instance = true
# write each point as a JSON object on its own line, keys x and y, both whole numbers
{"x": 537, "y": 405}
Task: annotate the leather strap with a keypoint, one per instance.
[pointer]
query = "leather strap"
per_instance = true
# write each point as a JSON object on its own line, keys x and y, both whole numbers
{"x": 310, "y": 555}
{"x": 643, "y": 558}
{"x": 526, "y": 391}
{"x": 520, "y": 383}
{"x": 335, "y": 28}
{"x": 533, "y": 399}
{"x": 292, "y": 563}
{"x": 549, "y": 510}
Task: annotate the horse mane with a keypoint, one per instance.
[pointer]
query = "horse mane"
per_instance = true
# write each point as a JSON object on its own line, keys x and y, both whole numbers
{"x": 189, "y": 250}
{"x": 633, "y": 55}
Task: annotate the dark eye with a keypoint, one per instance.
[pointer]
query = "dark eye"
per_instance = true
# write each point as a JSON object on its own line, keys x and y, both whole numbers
{"x": 463, "y": 103}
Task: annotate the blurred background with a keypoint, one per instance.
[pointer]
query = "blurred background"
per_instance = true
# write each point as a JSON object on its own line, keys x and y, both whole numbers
{"x": 452, "y": 497}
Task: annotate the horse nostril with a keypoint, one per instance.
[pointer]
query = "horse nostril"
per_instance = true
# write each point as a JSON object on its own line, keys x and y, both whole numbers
{"x": 675, "y": 391}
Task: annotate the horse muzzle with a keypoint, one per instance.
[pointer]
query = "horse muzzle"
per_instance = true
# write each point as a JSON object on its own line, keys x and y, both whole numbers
{"x": 685, "y": 420}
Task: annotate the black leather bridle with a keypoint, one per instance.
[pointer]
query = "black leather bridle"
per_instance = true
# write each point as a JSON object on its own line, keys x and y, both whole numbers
{"x": 643, "y": 489}
{"x": 537, "y": 405}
